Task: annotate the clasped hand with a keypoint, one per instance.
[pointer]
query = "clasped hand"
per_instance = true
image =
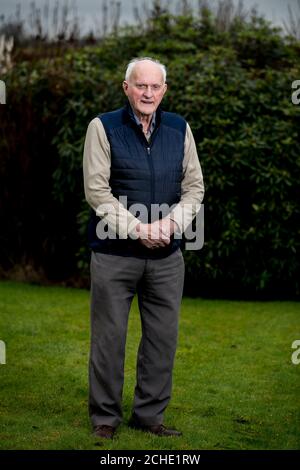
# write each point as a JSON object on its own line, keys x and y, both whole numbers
{"x": 156, "y": 235}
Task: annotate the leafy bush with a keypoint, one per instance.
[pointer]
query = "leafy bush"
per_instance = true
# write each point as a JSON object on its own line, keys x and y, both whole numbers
{"x": 233, "y": 87}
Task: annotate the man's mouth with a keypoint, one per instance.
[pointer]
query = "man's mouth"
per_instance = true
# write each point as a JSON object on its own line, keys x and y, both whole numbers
{"x": 147, "y": 102}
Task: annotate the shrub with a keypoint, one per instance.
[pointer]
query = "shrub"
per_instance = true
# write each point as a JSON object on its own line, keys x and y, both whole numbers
{"x": 234, "y": 89}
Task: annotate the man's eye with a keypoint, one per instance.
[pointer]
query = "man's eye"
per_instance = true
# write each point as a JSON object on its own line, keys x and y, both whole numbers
{"x": 142, "y": 86}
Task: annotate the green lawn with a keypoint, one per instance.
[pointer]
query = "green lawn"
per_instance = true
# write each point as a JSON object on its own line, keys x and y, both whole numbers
{"x": 235, "y": 386}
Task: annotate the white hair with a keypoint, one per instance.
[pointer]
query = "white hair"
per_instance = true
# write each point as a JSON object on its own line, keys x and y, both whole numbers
{"x": 134, "y": 61}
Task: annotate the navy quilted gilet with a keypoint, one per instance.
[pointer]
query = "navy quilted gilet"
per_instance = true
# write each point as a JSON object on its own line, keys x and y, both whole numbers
{"x": 147, "y": 173}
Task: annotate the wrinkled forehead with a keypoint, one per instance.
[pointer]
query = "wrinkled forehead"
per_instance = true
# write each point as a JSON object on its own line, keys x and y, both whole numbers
{"x": 147, "y": 71}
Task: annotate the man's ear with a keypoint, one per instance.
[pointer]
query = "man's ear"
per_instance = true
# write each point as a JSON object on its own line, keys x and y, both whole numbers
{"x": 165, "y": 88}
{"x": 125, "y": 87}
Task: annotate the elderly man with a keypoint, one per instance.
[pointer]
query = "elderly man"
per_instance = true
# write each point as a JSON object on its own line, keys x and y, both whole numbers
{"x": 143, "y": 182}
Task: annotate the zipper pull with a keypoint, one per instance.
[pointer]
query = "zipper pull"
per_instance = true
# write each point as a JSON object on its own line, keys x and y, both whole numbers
{"x": 148, "y": 150}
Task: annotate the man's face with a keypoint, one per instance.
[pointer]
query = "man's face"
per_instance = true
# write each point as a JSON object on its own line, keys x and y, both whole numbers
{"x": 145, "y": 88}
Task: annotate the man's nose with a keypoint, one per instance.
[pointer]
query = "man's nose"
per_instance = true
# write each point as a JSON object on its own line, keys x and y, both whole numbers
{"x": 148, "y": 92}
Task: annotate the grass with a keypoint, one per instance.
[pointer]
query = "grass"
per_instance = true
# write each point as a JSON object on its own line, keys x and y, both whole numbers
{"x": 234, "y": 386}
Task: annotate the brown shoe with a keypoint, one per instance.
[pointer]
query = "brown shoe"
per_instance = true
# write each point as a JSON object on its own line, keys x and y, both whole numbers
{"x": 161, "y": 430}
{"x": 158, "y": 429}
{"x": 104, "y": 431}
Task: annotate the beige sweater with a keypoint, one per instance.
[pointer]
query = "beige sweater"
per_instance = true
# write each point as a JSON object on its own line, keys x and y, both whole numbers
{"x": 96, "y": 170}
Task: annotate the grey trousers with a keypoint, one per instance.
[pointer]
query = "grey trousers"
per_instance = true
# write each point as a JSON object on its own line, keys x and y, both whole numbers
{"x": 114, "y": 282}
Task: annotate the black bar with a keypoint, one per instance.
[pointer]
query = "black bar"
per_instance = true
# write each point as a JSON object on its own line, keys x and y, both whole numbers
{"x": 140, "y": 458}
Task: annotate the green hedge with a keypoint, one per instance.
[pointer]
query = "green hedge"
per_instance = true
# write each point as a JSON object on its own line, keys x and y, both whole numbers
{"x": 233, "y": 87}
